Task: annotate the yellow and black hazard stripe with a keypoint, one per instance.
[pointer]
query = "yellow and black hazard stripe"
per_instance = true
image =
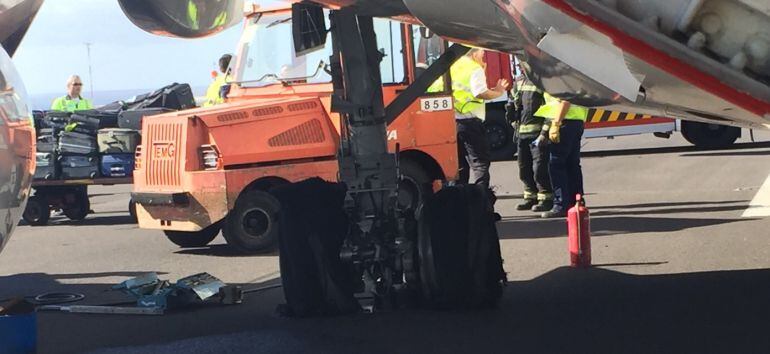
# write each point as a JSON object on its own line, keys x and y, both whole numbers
{"x": 596, "y": 115}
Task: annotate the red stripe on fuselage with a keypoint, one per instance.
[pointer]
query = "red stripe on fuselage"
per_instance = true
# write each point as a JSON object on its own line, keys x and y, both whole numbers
{"x": 667, "y": 63}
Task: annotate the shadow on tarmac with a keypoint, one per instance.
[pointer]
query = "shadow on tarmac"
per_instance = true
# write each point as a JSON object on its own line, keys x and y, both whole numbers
{"x": 668, "y": 204}
{"x": 621, "y": 219}
{"x": 682, "y": 149}
{"x": 91, "y": 220}
{"x": 603, "y": 226}
{"x": 33, "y": 284}
{"x": 730, "y": 153}
{"x": 223, "y": 250}
{"x": 563, "y": 311}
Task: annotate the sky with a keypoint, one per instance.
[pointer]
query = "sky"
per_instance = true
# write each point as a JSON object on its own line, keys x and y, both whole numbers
{"x": 123, "y": 57}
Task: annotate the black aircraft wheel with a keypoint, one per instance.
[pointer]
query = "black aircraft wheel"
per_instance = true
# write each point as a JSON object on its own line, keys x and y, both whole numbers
{"x": 414, "y": 187}
{"x": 459, "y": 250}
{"x": 313, "y": 226}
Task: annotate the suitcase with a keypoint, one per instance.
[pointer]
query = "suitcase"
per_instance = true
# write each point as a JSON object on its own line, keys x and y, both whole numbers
{"x": 94, "y": 119}
{"x": 79, "y": 166}
{"x": 117, "y": 140}
{"x": 55, "y": 119}
{"x": 46, "y": 166}
{"x": 117, "y": 165}
{"x": 174, "y": 96}
{"x": 72, "y": 143}
{"x": 37, "y": 117}
{"x": 46, "y": 140}
{"x": 132, "y": 118}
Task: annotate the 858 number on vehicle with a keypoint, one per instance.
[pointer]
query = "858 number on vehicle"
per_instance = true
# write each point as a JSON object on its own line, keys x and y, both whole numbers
{"x": 434, "y": 104}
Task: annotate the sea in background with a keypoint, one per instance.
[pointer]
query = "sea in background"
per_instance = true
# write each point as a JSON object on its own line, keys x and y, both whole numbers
{"x": 43, "y": 101}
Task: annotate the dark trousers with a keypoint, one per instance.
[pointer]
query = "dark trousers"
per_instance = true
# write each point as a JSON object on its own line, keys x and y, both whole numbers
{"x": 473, "y": 151}
{"x": 533, "y": 169}
{"x": 566, "y": 173}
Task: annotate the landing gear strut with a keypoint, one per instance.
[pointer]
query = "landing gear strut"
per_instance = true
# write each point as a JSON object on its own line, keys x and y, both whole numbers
{"x": 349, "y": 246}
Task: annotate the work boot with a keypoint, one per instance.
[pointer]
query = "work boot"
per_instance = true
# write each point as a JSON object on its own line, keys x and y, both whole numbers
{"x": 543, "y": 205}
{"x": 556, "y": 212}
{"x": 527, "y": 205}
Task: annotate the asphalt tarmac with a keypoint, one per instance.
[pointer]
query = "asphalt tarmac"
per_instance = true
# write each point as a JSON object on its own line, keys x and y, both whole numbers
{"x": 681, "y": 264}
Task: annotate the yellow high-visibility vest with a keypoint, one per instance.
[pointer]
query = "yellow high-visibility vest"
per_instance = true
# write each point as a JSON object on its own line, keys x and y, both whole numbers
{"x": 550, "y": 110}
{"x": 212, "y": 93}
{"x": 65, "y": 104}
{"x": 462, "y": 70}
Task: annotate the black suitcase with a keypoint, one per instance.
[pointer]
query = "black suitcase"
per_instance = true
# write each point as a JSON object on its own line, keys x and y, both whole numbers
{"x": 46, "y": 166}
{"x": 55, "y": 119}
{"x": 132, "y": 119}
{"x": 37, "y": 117}
{"x": 174, "y": 96}
{"x": 79, "y": 166}
{"x": 46, "y": 140}
{"x": 94, "y": 120}
{"x": 72, "y": 143}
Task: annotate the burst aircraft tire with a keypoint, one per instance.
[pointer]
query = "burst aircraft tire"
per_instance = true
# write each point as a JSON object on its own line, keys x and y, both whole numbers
{"x": 459, "y": 250}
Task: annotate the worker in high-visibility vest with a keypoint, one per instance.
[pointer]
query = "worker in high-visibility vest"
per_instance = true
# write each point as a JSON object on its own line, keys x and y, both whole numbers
{"x": 565, "y": 133}
{"x": 194, "y": 18}
{"x": 215, "y": 94}
{"x": 72, "y": 101}
{"x": 533, "y": 148}
{"x": 469, "y": 89}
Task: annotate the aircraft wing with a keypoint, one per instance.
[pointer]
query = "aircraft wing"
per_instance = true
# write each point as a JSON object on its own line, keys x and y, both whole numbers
{"x": 689, "y": 59}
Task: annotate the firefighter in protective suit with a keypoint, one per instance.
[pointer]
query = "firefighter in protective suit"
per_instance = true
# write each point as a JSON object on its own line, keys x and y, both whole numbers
{"x": 533, "y": 149}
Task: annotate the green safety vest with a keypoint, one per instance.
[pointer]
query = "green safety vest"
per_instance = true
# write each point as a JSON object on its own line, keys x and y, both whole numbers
{"x": 67, "y": 105}
{"x": 212, "y": 93}
{"x": 462, "y": 70}
{"x": 550, "y": 110}
{"x": 192, "y": 17}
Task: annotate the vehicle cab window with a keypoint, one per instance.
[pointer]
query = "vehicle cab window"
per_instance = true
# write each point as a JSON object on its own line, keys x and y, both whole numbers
{"x": 265, "y": 53}
{"x": 390, "y": 44}
{"x": 428, "y": 47}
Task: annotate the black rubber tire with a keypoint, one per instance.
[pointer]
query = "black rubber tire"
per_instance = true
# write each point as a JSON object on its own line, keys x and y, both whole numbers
{"x": 132, "y": 210}
{"x": 252, "y": 226}
{"x": 415, "y": 186}
{"x": 499, "y": 133}
{"x": 37, "y": 211}
{"x": 193, "y": 239}
{"x": 313, "y": 227}
{"x": 710, "y": 136}
{"x": 80, "y": 209}
{"x": 459, "y": 250}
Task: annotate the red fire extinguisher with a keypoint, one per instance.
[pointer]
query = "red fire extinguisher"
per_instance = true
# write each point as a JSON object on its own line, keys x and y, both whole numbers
{"x": 579, "y": 234}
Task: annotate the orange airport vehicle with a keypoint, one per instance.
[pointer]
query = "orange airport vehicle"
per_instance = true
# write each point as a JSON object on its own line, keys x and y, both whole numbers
{"x": 209, "y": 169}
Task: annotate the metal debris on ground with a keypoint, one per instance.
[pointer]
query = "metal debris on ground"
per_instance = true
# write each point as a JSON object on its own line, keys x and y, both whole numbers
{"x": 152, "y": 292}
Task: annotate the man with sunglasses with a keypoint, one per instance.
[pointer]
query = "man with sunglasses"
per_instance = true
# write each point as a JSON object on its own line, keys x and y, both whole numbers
{"x": 72, "y": 101}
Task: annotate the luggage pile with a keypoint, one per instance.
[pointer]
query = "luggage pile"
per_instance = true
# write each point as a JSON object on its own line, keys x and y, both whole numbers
{"x": 100, "y": 142}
